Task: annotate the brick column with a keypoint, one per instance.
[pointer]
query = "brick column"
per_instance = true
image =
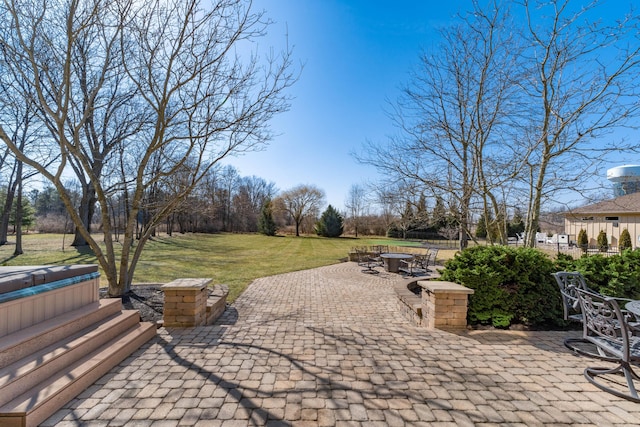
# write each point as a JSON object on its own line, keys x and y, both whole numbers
{"x": 185, "y": 302}
{"x": 444, "y": 304}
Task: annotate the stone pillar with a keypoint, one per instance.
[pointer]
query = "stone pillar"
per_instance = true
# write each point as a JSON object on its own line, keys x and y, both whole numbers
{"x": 185, "y": 302}
{"x": 444, "y": 304}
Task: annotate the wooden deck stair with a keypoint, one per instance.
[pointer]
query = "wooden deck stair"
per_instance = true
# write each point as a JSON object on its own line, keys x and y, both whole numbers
{"x": 44, "y": 366}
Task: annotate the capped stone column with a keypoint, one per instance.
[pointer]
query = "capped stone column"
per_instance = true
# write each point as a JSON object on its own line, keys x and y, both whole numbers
{"x": 444, "y": 304}
{"x": 185, "y": 302}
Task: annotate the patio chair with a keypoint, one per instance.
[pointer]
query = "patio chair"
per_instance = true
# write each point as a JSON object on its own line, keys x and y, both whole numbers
{"x": 433, "y": 253}
{"x": 606, "y": 326}
{"x": 416, "y": 266}
{"x": 365, "y": 260}
{"x": 568, "y": 282}
{"x": 378, "y": 250}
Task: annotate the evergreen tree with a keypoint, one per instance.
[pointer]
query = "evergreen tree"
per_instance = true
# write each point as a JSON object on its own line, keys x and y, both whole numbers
{"x": 28, "y": 211}
{"x": 625, "y": 240}
{"x": 422, "y": 216}
{"x": 583, "y": 240}
{"x": 481, "y": 228}
{"x": 516, "y": 226}
{"x": 330, "y": 224}
{"x": 266, "y": 223}
{"x": 439, "y": 214}
{"x": 603, "y": 243}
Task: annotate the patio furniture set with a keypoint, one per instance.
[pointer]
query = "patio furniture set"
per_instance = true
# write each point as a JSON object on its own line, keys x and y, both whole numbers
{"x": 610, "y": 333}
{"x": 410, "y": 264}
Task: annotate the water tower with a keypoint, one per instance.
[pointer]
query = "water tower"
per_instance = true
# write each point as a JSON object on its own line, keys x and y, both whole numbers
{"x": 626, "y": 179}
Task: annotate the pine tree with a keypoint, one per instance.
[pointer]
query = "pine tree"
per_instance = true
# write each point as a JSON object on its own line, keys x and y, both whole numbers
{"x": 266, "y": 224}
{"x": 516, "y": 226}
{"x": 481, "y": 228}
{"x": 330, "y": 224}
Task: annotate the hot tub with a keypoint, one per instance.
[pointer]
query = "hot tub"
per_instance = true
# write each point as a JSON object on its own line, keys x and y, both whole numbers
{"x": 30, "y": 295}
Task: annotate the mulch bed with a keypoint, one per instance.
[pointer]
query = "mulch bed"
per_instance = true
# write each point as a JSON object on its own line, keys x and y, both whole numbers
{"x": 147, "y": 299}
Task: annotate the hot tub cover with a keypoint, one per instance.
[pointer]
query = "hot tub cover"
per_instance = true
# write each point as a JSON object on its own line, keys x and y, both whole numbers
{"x": 15, "y": 278}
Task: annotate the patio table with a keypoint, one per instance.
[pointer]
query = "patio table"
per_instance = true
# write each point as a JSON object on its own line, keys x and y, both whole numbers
{"x": 392, "y": 260}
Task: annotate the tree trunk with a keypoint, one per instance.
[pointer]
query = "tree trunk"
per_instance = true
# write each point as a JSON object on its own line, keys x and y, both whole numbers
{"x": 18, "y": 249}
{"x": 8, "y": 205}
{"x": 6, "y": 214}
{"x": 85, "y": 211}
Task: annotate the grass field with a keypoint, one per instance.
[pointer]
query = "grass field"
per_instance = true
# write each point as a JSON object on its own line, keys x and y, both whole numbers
{"x": 233, "y": 259}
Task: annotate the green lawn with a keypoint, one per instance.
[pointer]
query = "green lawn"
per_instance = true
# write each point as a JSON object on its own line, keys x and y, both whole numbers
{"x": 233, "y": 259}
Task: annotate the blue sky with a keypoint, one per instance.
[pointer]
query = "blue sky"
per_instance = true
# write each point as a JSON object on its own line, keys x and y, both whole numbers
{"x": 356, "y": 54}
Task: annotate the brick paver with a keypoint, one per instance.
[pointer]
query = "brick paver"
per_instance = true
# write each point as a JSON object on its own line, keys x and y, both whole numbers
{"x": 328, "y": 346}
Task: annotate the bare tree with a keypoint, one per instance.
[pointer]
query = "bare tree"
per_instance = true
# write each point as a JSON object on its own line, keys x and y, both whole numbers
{"x": 302, "y": 202}
{"x": 249, "y": 199}
{"x": 582, "y": 84}
{"x": 182, "y": 66}
{"x": 389, "y": 201}
{"x": 452, "y": 115}
{"x": 356, "y": 205}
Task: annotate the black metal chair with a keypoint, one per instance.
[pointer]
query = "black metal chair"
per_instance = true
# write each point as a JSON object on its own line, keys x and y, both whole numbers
{"x": 365, "y": 260}
{"x": 417, "y": 266}
{"x": 376, "y": 252}
{"x": 606, "y": 326}
{"x": 433, "y": 254}
{"x": 568, "y": 282}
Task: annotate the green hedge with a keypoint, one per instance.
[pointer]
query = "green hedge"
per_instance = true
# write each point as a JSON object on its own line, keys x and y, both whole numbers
{"x": 515, "y": 285}
{"x": 616, "y": 275}
{"x": 511, "y": 285}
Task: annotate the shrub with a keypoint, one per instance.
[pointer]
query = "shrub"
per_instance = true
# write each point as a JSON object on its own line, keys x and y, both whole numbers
{"x": 603, "y": 243}
{"x": 510, "y": 285}
{"x": 625, "y": 240}
{"x": 331, "y": 223}
{"x": 616, "y": 275}
{"x": 583, "y": 240}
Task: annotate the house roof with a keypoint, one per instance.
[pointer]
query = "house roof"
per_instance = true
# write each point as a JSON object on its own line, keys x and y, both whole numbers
{"x": 627, "y": 204}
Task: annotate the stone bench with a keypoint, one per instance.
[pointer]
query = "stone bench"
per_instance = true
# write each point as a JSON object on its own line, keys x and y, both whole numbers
{"x": 409, "y": 303}
{"x": 190, "y": 303}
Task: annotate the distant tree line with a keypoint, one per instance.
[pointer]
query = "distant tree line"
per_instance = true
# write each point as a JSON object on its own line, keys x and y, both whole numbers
{"x": 226, "y": 201}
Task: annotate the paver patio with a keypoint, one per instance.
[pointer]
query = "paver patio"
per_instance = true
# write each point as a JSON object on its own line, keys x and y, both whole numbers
{"x": 328, "y": 346}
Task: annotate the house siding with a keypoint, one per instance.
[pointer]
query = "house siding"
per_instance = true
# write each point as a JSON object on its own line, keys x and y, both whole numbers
{"x": 573, "y": 225}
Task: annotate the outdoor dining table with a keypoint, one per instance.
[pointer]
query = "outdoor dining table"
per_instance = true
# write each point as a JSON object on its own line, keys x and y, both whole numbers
{"x": 392, "y": 260}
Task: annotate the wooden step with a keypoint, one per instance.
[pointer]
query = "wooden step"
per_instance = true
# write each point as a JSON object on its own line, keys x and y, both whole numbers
{"x": 27, "y": 372}
{"x": 37, "y": 404}
{"x": 31, "y": 340}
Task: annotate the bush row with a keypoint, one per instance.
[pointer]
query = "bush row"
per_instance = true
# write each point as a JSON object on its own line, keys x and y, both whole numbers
{"x": 616, "y": 275}
{"x": 515, "y": 285}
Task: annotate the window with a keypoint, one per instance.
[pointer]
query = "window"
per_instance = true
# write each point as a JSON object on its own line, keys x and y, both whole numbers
{"x": 611, "y": 218}
{"x": 587, "y": 218}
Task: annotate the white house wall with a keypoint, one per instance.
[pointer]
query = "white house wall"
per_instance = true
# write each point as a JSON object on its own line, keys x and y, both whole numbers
{"x": 613, "y": 229}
